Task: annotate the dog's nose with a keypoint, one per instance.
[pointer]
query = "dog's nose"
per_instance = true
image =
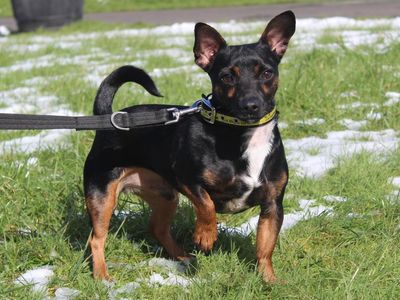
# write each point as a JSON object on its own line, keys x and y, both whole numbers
{"x": 251, "y": 106}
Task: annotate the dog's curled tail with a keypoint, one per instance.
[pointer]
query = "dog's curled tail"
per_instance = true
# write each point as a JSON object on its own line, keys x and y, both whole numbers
{"x": 109, "y": 86}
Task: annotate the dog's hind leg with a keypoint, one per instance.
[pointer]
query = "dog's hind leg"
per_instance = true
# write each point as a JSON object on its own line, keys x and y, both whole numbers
{"x": 100, "y": 207}
{"x": 163, "y": 210}
{"x": 163, "y": 201}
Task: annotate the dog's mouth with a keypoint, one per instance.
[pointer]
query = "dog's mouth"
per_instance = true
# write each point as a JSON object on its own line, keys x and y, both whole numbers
{"x": 252, "y": 117}
{"x": 249, "y": 118}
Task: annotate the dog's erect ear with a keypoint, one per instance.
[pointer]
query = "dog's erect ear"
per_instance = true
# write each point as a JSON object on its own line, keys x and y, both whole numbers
{"x": 279, "y": 31}
{"x": 207, "y": 43}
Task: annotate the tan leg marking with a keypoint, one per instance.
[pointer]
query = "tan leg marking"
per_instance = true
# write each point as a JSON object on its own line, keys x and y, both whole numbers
{"x": 267, "y": 235}
{"x": 205, "y": 233}
{"x": 268, "y": 228}
{"x": 100, "y": 211}
{"x": 150, "y": 187}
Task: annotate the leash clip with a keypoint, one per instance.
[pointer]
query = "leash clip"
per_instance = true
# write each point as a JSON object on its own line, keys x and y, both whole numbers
{"x": 112, "y": 119}
{"x": 176, "y": 114}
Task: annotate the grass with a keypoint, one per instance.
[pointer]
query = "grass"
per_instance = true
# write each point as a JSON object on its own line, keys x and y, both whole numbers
{"x": 91, "y": 6}
{"x": 351, "y": 253}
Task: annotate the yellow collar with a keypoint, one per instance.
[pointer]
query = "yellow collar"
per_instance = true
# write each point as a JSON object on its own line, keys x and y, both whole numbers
{"x": 211, "y": 116}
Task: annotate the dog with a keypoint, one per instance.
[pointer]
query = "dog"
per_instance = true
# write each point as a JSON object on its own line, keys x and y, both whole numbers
{"x": 220, "y": 166}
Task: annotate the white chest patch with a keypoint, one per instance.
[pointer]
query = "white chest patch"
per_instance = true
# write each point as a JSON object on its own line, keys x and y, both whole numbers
{"x": 259, "y": 147}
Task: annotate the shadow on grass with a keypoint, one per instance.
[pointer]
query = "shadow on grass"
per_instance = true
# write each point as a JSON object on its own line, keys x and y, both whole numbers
{"x": 130, "y": 220}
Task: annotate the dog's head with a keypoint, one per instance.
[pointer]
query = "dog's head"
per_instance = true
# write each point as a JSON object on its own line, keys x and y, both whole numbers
{"x": 244, "y": 78}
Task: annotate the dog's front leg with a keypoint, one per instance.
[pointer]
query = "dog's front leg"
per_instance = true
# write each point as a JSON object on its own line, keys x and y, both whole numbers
{"x": 269, "y": 225}
{"x": 268, "y": 228}
{"x": 205, "y": 233}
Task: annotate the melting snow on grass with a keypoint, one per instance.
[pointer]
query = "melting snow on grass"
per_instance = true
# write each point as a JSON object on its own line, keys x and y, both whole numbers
{"x": 309, "y": 209}
{"x": 393, "y": 98}
{"x": 311, "y": 122}
{"x": 41, "y": 141}
{"x": 64, "y": 293}
{"x": 38, "y": 278}
{"x": 336, "y": 143}
{"x": 394, "y": 196}
{"x": 353, "y": 125}
{"x": 29, "y": 100}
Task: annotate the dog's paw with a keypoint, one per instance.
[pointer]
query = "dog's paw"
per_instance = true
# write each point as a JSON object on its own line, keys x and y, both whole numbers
{"x": 205, "y": 236}
{"x": 267, "y": 272}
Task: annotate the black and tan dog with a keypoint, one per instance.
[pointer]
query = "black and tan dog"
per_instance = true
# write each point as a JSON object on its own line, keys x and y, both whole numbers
{"x": 225, "y": 160}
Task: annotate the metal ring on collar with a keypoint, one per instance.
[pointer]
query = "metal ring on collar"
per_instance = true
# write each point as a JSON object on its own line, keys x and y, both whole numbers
{"x": 112, "y": 119}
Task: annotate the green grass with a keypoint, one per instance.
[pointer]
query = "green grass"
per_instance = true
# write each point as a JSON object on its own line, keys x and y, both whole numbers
{"x": 43, "y": 219}
{"x": 91, "y": 6}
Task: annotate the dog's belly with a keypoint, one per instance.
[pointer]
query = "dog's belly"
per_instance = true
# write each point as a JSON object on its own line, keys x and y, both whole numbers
{"x": 241, "y": 195}
{"x": 145, "y": 183}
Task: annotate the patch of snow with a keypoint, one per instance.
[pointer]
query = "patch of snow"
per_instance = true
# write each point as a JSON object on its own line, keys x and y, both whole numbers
{"x": 94, "y": 79}
{"x": 172, "y": 279}
{"x": 30, "y": 162}
{"x": 354, "y": 215}
{"x": 50, "y": 60}
{"x": 374, "y": 115}
{"x": 179, "y": 55}
{"x": 310, "y": 29}
{"x": 332, "y": 198}
{"x": 24, "y": 231}
{"x": 108, "y": 284}
{"x": 309, "y": 210}
{"x": 65, "y": 293}
{"x": 354, "y": 38}
{"x": 357, "y": 104}
{"x": 166, "y": 71}
{"x": 170, "y": 265}
{"x": 243, "y": 39}
{"x": 310, "y": 122}
{"x": 37, "y": 278}
{"x": 316, "y": 24}
{"x": 28, "y": 100}
{"x": 283, "y": 125}
{"x": 174, "y": 41}
{"x": 4, "y": 31}
{"x": 68, "y": 45}
{"x": 36, "y": 81}
{"x": 394, "y": 98}
{"x": 395, "y": 181}
{"x": 353, "y": 125}
{"x": 394, "y": 197}
{"x": 127, "y": 288}
{"x": 172, "y": 34}
{"x": 337, "y": 143}
{"x": 29, "y": 144}
{"x": 349, "y": 94}
{"x": 23, "y": 48}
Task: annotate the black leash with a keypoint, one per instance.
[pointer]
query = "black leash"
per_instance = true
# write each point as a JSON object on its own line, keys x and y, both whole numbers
{"x": 119, "y": 120}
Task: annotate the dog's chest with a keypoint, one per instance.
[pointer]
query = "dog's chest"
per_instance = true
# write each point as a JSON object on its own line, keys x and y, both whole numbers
{"x": 241, "y": 193}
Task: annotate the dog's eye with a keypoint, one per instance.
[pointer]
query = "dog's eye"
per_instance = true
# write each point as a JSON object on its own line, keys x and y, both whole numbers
{"x": 268, "y": 74}
{"x": 227, "y": 79}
